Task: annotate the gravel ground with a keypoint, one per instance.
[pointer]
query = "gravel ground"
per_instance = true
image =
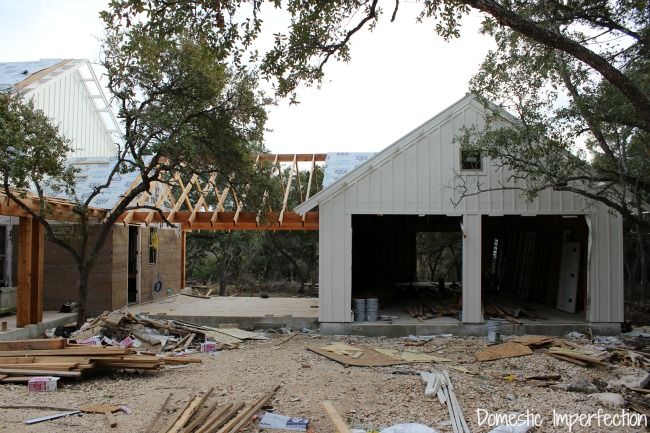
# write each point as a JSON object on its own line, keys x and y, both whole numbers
{"x": 371, "y": 397}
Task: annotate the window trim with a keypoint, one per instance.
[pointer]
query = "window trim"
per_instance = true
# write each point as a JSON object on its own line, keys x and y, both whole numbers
{"x": 481, "y": 159}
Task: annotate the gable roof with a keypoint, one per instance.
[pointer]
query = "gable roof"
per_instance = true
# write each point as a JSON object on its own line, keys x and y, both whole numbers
{"x": 21, "y": 74}
{"x": 390, "y": 151}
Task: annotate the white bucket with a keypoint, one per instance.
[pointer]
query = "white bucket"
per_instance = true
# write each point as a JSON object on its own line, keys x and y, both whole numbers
{"x": 494, "y": 330}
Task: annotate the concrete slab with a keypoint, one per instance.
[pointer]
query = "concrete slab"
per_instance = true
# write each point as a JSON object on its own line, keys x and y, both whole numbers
{"x": 248, "y": 312}
{"x": 51, "y": 319}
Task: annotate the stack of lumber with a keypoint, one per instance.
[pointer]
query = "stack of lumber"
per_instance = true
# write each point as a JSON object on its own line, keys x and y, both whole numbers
{"x": 438, "y": 383}
{"x": 428, "y": 304}
{"x": 20, "y": 360}
{"x": 194, "y": 417}
{"x": 498, "y": 306}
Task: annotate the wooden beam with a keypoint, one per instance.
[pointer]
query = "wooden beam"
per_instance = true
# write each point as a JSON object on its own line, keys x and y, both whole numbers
{"x": 28, "y": 258}
{"x": 183, "y": 252}
{"x": 288, "y": 157}
{"x": 36, "y": 286}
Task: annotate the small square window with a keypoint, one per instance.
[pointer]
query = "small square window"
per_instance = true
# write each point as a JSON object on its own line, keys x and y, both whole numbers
{"x": 471, "y": 160}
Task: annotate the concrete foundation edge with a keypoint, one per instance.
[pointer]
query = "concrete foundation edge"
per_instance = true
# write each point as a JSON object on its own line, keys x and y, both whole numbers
{"x": 404, "y": 330}
{"x": 36, "y": 330}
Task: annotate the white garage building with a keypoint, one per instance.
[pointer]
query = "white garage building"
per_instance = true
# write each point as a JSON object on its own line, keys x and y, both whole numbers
{"x": 573, "y": 260}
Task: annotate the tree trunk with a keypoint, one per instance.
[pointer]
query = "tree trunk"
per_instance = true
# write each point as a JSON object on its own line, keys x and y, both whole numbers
{"x": 225, "y": 264}
{"x": 641, "y": 251}
{"x": 82, "y": 308}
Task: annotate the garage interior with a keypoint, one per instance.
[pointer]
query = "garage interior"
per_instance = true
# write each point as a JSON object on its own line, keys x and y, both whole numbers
{"x": 413, "y": 265}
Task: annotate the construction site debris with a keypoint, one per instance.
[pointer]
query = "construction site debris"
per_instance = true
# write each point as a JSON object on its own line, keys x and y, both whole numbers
{"x": 67, "y": 360}
{"x": 501, "y": 351}
{"x": 357, "y": 356}
{"x": 408, "y": 428}
{"x": 439, "y": 384}
{"x": 281, "y": 422}
{"x": 124, "y": 329}
{"x": 336, "y": 419}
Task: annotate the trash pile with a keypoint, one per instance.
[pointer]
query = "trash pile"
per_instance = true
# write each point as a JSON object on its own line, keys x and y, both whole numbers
{"x": 124, "y": 329}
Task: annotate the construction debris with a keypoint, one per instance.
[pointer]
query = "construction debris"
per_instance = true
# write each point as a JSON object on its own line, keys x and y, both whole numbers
{"x": 125, "y": 329}
{"x": 58, "y": 358}
{"x": 501, "y": 351}
{"x": 439, "y": 383}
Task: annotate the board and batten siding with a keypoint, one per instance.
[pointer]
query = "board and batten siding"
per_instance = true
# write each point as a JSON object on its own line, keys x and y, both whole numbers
{"x": 419, "y": 174}
{"x": 68, "y": 102}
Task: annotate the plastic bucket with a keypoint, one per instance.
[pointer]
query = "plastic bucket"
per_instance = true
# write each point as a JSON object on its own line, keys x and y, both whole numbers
{"x": 359, "y": 310}
{"x": 494, "y": 330}
{"x": 372, "y": 309}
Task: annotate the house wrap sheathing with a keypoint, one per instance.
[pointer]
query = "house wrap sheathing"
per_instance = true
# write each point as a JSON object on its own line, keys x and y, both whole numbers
{"x": 416, "y": 178}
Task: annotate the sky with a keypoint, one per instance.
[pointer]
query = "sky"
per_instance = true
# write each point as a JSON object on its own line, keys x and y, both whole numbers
{"x": 400, "y": 75}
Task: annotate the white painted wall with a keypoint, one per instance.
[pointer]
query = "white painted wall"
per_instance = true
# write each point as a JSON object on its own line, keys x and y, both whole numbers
{"x": 418, "y": 175}
{"x": 72, "y": 104}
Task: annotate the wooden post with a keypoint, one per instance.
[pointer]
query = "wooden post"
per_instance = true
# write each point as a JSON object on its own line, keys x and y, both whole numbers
{"x": 183, "y": 247}
{"x": 38, "y": 247}
{"x": 29, "y": 303}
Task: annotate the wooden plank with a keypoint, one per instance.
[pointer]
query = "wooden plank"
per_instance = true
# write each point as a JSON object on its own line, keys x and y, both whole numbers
{"x": 241, "y": 419}
{"x": 50, "y": 366}
{"x": 501, "y": 351}
{"x": 37, "y": 344}
{"x": 178, "y": 426}
{"x": 176, "y": 416}
{"x": 159, "y": 414}
{"x": 44, "y": 372}
{"x": 36, "y": 286}
{"x": 16, "y": 360}
{"x": 76, "y": 351}
{"x": 566, "y": 358}
{"x": 220, "y": 418}
{"x": 23, "y": 294}
{"x": 184, "y": 417}
{"x": 338, "y": 422}
{"x": 199, "y": 419}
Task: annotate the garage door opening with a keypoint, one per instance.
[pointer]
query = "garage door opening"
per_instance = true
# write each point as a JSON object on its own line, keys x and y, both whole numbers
{"x": 535, "y": 267}
{"x": 411, "y": 263}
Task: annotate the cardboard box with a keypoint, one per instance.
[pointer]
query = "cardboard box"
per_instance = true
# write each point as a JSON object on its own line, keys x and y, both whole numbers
{"x": 46, "y": 383}
{"x": 209, "y": 346}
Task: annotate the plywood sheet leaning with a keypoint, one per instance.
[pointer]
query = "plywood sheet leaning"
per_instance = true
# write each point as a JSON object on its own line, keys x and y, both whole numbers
{"x": 368, "y": 357}
{"x": 501, "y": 351}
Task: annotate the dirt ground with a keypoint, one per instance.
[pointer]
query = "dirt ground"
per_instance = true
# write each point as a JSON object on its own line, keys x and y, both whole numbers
{"x": 369, "y": 398}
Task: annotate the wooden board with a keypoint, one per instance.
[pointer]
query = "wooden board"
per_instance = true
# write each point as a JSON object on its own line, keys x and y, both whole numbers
{"x": 39, "y": 344}
{"x": 532, "y": 340}
{"x": 369, "y": 357}
{"x": 501, "y": 351}
{"x": 338, "y": 422}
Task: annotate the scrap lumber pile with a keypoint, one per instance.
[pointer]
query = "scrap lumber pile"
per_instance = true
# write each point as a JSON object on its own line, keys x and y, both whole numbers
{"x": 583, "y": 355}
{"x": 427, "y": 303}
{"x": 508, "y": 309}
{"x": 577, "y": 354}
{"x": 21, "y": 360}
{"x": 125, "y": 329}
{"x": 195, "y": 417}
{"x": 424, "y": 304}
{"x": 438, "y": 383}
